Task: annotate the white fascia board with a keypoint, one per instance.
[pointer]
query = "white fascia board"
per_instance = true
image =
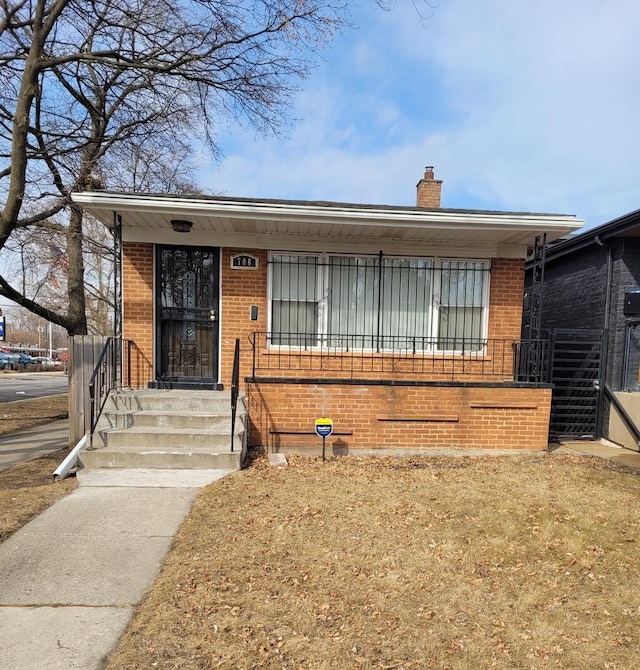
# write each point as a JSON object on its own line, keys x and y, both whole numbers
{"x": 283, "y": 212}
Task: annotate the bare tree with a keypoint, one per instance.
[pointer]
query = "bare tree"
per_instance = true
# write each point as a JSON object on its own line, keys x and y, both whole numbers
{"x": 90, "y": 87}
{"x": 26, "y": 330}
{"x": 35, "y": 261}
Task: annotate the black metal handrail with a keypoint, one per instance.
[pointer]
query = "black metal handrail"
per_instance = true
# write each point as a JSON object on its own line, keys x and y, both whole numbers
{"x": 108, "y": 374}
{"x": 235, "y": 389}
{"x": 293, "y": 355}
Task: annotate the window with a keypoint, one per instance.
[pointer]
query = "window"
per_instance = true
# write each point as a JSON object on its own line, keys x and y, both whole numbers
{"x": 461, "y": 305}
{"x": 294, "y": 303}
{"x": 378, "y": 302}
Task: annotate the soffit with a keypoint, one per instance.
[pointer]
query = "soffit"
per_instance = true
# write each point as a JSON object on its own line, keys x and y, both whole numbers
{"x": 265, "y": 222}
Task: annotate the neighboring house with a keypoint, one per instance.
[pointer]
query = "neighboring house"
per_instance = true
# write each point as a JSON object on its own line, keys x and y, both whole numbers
{"x": 402, "y": 324}
{"x": 590, "y": 309}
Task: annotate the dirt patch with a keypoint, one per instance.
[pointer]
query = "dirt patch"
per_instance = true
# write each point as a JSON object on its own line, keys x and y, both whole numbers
{"x": 522, "y": 562}
{"x": 22, "y": 414}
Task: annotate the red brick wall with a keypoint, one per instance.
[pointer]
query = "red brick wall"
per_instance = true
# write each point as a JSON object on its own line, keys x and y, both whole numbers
{"x": 240, "y": 290}
{"x": 137, "y": 308}
{"x": 379, "y": 416}
{"x": 505, "y": 301}
{"x": 400, "y": 416}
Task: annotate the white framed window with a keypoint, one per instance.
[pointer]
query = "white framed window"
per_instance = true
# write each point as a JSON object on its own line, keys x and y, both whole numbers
{"x": 295, "y": 294}
{"x": 377, "y": 302}
{"x": 463, "y": 297}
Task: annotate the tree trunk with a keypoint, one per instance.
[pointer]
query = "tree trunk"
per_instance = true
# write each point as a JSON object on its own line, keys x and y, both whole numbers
{"x": 75, "y": 280}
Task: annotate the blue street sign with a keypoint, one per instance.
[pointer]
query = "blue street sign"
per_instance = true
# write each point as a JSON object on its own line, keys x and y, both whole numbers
{"x": 2, "y": 328}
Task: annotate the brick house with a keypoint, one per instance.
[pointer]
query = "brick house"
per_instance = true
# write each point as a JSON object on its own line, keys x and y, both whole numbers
{"x": 590, "y": 296}
{"x": 402, "y": 324}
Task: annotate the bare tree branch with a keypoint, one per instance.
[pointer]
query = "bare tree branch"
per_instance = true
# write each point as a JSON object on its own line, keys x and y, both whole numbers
{"x": 99, "y": 93}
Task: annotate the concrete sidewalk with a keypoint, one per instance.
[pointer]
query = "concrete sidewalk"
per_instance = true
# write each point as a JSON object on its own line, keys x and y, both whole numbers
{"x": 71, "y": 578}
{"x": 601, "y": 449}
{"x": 33, "y": 442}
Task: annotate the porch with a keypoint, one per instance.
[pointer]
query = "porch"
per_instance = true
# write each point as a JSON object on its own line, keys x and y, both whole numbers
{"x": 120, "y": 423}
{"x": 425, "y": 360}
{"x": 397, "y": 394}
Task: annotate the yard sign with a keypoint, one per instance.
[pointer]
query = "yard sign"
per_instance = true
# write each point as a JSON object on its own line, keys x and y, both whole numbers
{"x": 324, "y": 428}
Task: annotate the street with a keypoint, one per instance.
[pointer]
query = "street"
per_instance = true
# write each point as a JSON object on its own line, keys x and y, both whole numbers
{"x": 22, "y": 385}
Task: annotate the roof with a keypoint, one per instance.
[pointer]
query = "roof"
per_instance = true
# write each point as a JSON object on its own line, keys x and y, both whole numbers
{"x": 265, "y": 223}
{"x": 627, "y": 225}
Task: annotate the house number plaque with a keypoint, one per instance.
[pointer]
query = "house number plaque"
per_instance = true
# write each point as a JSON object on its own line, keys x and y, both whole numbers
{"x": 244, "y": 262}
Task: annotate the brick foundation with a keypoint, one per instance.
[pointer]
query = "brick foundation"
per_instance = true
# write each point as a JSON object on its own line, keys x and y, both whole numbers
{"x": 409, "y": 417}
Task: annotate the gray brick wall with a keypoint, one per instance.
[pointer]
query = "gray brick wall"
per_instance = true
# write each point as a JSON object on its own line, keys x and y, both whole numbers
{"x": 573, "y": 293}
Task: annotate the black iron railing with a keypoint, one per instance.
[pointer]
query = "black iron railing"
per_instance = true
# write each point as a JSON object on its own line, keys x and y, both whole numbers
{"x": 235, "y": 388}
{"x": 531, "y": 361}
{"x": 296, "y": 355}
{"x": 112, "y": 370}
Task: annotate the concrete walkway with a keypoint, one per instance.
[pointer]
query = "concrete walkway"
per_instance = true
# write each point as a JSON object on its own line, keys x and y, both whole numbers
{"x": 33, "y": 442}
{"x": 71, "y": 578}
{"x": 602, "y": 449}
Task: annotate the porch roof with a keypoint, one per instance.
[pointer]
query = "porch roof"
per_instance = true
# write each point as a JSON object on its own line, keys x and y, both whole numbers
{"x": 266, "y": 223}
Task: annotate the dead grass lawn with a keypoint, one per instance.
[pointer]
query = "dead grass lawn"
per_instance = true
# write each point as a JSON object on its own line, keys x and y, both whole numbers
{"x": 523, "y": 562}
{"x": 28, "y": 488}
{"x": 21, "y": 414}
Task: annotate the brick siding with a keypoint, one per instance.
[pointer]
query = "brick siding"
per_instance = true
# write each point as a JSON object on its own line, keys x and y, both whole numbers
{"x": 379, "y": 416}
{"x": 137, "y": 308}
{"x": 240, "y": 290}
{"x": 505, "y": 300}
{"x": 400, "y": 416}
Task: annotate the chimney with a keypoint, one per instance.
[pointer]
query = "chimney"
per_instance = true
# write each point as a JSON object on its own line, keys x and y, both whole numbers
{"x": 428, "y": 189}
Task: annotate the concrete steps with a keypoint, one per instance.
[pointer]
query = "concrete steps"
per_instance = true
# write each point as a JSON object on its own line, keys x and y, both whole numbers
{"x": 175, "y": 429}
{"x": 122, "y": 418}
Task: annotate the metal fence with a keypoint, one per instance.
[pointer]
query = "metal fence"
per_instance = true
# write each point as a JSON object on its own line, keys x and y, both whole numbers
{"x": 425, "y": 359}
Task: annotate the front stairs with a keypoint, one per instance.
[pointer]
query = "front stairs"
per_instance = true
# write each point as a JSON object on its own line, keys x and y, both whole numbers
{"x": 170, "y": 429}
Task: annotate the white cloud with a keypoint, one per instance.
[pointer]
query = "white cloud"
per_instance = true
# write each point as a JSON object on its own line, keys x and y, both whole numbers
{"x": 518, "y": 105}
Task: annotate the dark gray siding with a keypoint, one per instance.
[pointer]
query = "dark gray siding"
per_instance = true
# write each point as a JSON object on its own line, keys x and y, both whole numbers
{"x": 574, "y": 290}
{"x": 626, "y": 275}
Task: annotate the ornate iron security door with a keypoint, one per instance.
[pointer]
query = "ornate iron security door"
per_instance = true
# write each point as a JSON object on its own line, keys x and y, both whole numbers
{"x": 187, "y": 315}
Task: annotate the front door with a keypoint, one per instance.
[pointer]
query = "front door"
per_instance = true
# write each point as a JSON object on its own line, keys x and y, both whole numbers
{"x": 187, "y": 316}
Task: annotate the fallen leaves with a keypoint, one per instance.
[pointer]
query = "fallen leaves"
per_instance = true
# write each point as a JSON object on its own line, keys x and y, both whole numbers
{"x": 384, "y": 563}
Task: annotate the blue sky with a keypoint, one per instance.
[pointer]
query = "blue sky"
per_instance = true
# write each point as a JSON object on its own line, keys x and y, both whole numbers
{"x": 519, "y": 105}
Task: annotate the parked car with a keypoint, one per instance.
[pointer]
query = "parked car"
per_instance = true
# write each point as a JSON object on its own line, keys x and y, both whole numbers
{"x": 6, "y": 361}
{"x": 47, "y": 362}
{"x": 25, "y": 359}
